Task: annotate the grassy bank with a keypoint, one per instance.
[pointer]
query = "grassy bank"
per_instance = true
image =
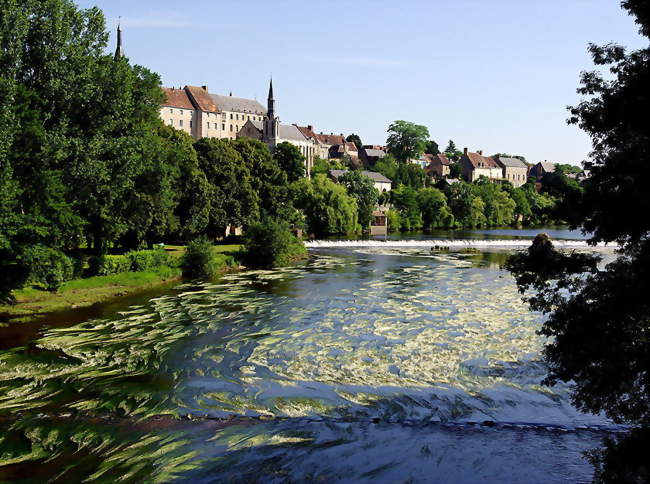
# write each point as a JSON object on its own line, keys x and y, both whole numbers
{"x": 33, "y": 302}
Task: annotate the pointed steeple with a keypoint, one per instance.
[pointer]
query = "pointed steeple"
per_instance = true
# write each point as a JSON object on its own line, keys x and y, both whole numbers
{"x": 271, "y": 121}
{"x": 119, "y": 51}
{"x": 270, "y": 102}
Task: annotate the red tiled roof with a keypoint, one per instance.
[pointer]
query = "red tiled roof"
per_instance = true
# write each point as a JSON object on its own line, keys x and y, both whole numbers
{"x": 439, "y": 158}
{"x": 330, "y": 139}
{"x": 202, "y": 99}
{"x": 308, "y": 133}
{"x": 480, "y": 161}
{"x": 176, "y": 98}
{"x": 351, "y": 146}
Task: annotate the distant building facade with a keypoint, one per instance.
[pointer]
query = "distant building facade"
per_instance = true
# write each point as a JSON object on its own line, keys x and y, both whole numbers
{"x": 438, "y": 166}
{"x": 382, "y": 184}
{"x": 371, "y": 154}
{"x": 475, "y": 165}
{"x": 513, "y": 170}
{"x": 540, "y": 169}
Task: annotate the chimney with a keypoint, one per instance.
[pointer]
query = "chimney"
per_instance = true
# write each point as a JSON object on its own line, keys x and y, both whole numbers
{"x": 480, "y": 152}
{"x": 465, "y": 151}
{"x": 310, "y": 127}
{"x": 205, "y": 88}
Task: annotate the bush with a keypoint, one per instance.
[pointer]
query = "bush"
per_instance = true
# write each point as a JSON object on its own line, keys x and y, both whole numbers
{"x": 270, "y": 243}
{"x": 48, "y": 267}
{"x": 199, "y": 260}
{"x": 147, "y": 260}
{"x": 109, "y": 264}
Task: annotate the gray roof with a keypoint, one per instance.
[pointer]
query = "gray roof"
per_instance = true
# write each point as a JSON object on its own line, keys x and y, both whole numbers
{"x": 237, "y": 104}
{"x": 378, "y": 153}
{"x": 373, "y": 175}
{"x": 511, "y": 162}
{"x": 548, "y": 167}
{"x": 287, "y": 131}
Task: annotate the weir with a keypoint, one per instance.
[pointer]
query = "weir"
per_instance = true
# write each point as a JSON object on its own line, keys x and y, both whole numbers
{"x": 452, "y": 243}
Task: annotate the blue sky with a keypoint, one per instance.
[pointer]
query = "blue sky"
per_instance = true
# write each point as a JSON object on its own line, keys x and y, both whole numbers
{"x": 494, "y": 75}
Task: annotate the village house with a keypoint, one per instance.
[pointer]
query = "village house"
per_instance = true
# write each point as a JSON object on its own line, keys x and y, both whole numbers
{"x": 203, "y": 115}
{"x": 371, "y": 154}
{"x": 438, "y": 166}
{"x": 475, "y": 165}
{"x": 382, "y": 184}
{"x": 272, "y": 132}
{"x": 514, "y": 170}
{"x": 540, "y": 169}
{"x": 340, "y": 151}
{"x": 327, "y": 141}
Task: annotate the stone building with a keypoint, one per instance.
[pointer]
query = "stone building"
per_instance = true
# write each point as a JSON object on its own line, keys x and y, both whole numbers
{"x": 475, "y": 165}
{"x": 540, "y": 169}
{"x": 513, "y": 169}
{"x": 438, "y": 166}
{"x": 272, "y": 132}
{"x": 178, "y": 110}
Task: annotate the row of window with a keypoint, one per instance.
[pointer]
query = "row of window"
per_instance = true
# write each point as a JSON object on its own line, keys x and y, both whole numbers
{"x": 244, "y": 117}
{"x": 180, "y": 123}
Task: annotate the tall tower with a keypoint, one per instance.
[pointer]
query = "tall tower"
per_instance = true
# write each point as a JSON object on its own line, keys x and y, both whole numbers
{"x": 119, "y": 51}
{"x": 271, "y": 121}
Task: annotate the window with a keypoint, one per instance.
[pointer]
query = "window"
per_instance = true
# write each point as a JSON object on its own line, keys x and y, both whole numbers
{"x": 231, "y": 126}
{"x": 223, "y": 127}
{"x": 180, "y": 123}
{"x": 231, "y": 117}
{"x": 190, "y": 123}
{"x": 208, "y": 124}
{"x": 181, "y": 111}
{"x": 171, "y": 110}
{"x": 171, "y": 122}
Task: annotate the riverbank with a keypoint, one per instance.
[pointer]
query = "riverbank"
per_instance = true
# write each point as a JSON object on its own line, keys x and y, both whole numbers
{"x": 34, "y": 303}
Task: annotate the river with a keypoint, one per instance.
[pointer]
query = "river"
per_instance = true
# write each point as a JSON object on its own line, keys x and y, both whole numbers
{"x": 366, "y": 364}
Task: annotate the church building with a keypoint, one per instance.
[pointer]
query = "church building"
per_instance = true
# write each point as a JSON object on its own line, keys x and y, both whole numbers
{"x": 272, "y": 132}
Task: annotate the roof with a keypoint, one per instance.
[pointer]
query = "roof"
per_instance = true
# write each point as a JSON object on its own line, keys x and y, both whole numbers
{"x": 289, "y": 131}
{"x": 237, "y": 104}
{"x": 331, "y": 139}
{"x": 176, "y": 98}
{"x": 439, "y": 158}
{"x": 375, "y": 153}
{"x": 448, "y": 181}
{"x": 308, "y": 133}
{"x": 351, "y": 146}
{"x": 548, "y": 167}
{"x": 373, "y": 175}
{"x": 511, "y": 162}
{"x": 202, "y": 99}
{"x": 480, "y": 161}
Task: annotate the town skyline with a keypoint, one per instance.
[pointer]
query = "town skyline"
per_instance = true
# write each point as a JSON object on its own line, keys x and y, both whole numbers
{"x": 506, "y": 92}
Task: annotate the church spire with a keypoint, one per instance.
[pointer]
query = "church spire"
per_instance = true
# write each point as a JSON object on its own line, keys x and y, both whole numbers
{"x": 270, "y": 102}
{"x": 271, "y": 121}
{"x": 119, "y": 51}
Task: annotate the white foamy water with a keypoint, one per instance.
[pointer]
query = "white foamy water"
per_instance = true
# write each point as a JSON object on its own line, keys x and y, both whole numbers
{"x": 452, "y": 243}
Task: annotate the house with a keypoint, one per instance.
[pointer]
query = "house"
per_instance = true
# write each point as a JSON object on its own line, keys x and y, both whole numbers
{"x": 422, "y": 161}
{"x": 347, "y": 148}
{"x": 371, "y": 154}
{"x": 382, "y": 184}
{"x": 320, "y": 150}
{"x": 475, "y": 165}
{"x": 446, "y": 183}
{"x": 438, "y": 166}
{"x": 327, "y": 141}
{"x": 272, "y": 132}
{"x": 540, "y": 169}
{"x": 513, "y": 169}
{"x": 178, "y": 111}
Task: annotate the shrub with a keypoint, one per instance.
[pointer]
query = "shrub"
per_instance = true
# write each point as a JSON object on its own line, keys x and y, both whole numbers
{"x": 109, "y": 264}
{"x": 394, "y": 221}
{"x": 147, "y": 260}
{"x": 199, "y": 261}
{"x": 270, "y": 243}
{"x": 48, "y": 267}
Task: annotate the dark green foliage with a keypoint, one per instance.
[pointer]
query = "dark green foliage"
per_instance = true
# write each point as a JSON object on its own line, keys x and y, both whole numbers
{"x": 290, "y": 160}
{"x": 198, "y": 261}
{"x": 107, "y": 264}
{"x": 147, "y": 260}
{"x": 270, "y": 243}
{"x": 354, "y": 138}
{"x": 432, "y": 147}
{"x": 407, "y": 140}
{"x": 598, "y": 322}
{"x": 405, "y": 200}
{"x": 48, "y": 267}
{"x": 363, "y": 190}
{"x": 433, "y": 206}
{"x": 455, "y": 170}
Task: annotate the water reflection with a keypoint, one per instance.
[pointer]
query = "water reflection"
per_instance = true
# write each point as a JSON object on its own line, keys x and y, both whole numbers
{"x": 373, "y": 363}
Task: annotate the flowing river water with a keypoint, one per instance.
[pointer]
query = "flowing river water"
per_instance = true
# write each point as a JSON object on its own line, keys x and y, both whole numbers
{"x": 366, "y": 364}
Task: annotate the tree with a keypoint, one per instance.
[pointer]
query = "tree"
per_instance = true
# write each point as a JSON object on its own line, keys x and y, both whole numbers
{"x": 466, "y": 207}
{"x": 407, "y": 140}
{"x": 455, "y": 170}
{"x": 433, "y": 206}
{"x": 328, "y": 209}
{"x": 387, "y": 166}
{"x": 363, "y": 190}
{"x": 405, "y": 201}
{"x": 354, "y": 138}
{"x": 270, "y": 243}
{"x": 598, "y": 320}
{"x": 451, "y": 147}
{"x": 290, "y": 159}
{"x": 432, "y": 147}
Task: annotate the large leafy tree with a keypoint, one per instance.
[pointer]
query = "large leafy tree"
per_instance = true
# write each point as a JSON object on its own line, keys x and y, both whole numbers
{"x": 599, "y": 320}
{"x": 290, "y": 159}
{"x": 363, "y": 190}
{"x": 434, "y": 209}
{"x": 407, "y": 140}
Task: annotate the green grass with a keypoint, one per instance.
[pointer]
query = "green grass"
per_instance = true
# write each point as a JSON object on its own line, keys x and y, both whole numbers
{"x": 33, "y": 301}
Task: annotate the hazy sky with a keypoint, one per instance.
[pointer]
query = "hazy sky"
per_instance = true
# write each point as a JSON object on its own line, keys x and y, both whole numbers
{"x": 495, "y": 75}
